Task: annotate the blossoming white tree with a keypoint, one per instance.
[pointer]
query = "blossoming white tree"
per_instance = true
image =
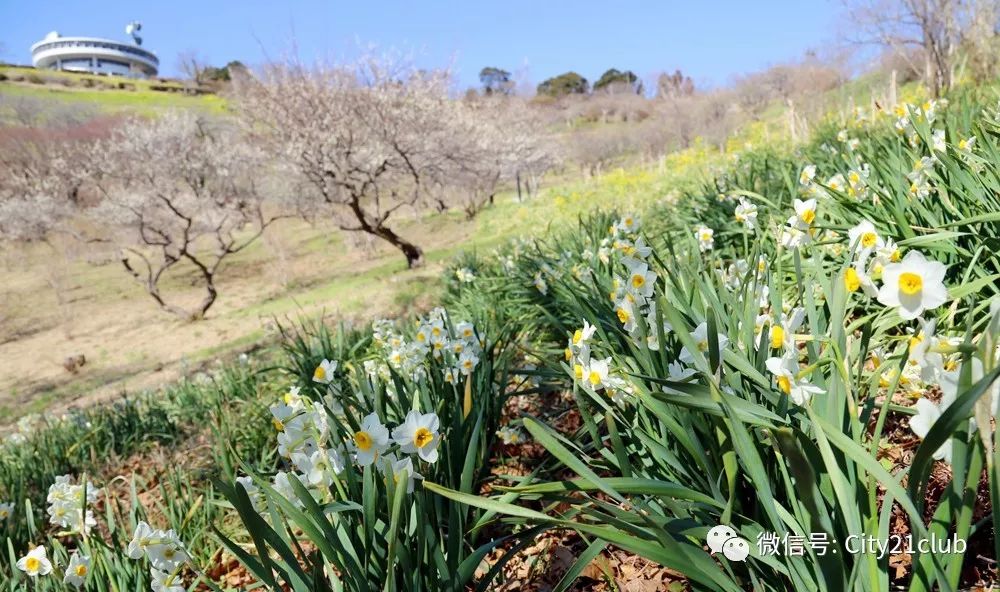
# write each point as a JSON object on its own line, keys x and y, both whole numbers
{"x": 371, "y": 138}
{"x": 179, "y": 189}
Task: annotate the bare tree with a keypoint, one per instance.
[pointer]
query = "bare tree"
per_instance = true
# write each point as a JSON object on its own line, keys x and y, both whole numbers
{"x": 179, "y": 189}
{"x": 926, "y": 33}
{"x": 192, "y": 65}
{"x": 369, "y": 137}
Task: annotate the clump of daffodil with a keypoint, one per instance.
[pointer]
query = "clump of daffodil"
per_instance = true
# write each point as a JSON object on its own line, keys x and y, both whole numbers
{"x": 66, "y": 502}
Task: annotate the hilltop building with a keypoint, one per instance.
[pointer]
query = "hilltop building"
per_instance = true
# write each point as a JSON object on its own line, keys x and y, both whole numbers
{"x": 96, "y": 55}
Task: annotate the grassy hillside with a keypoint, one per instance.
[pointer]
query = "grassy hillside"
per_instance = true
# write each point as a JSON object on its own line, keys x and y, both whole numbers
{"x": 104, "y": 93}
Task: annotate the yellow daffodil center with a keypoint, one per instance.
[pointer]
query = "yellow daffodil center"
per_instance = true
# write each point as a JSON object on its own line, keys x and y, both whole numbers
{"x": 896, "y": 256}
{"x": 363, "y": 441}
{"x": 785, "y": 384}
{"x": 568, "y": 353}
{"x": 577, "y": 336}
{"x": 422, "y": 437}
{"x": 706, "y": 236}
{"x": 467, "y": 333}
{"x": 868, "y": 240}
{"x": 594, "y": 377}
{"x": 320, "y": 373}
{"x": 623, "y": 315}
{"x": 638, "y": 281}
{"x": 910, "y": 283}
{"x": 951, "y": 365}
{"x": 421, "y": 337}
{"x": 703, "y": 346}
{"x": 962, "y": 144}
{"x": 853, "y": 177}
{"x": 852, "y": 281}
{"x": 777, "y": 336}
{"x": 809, "y": 215}
{"x": 278, "y": 425}
{"x": 33, "y": 564}
{"x": 81, "y": 570}
{"x": 578, "y": 371}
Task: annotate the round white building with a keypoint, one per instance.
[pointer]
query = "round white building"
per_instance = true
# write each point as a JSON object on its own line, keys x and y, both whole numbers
{"x": 94, "y": 55}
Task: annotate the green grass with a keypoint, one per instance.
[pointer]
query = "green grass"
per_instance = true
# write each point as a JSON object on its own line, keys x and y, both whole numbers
{"x": 138, "y": 98}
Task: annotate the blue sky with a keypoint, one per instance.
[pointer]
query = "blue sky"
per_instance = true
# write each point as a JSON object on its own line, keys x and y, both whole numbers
{"x": 712, "y": 41}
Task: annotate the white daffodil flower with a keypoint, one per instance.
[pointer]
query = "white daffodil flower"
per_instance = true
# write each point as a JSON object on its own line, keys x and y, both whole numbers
{"x": 966, "y": 144}
{"x": 465, "y": 275}
{"x": 509, "y": 435}
{"x": 6, "y": 511}
{"x": 164, "y": 581}
{"x": 467, "y": 362}
{"x": 143, "y": 537}
{"x": 596, "y": 374}
{"x": 283, "y": 486}
{"x": 324, "y": 372}
{"x": 418, "y": 434}
{"x": 864, "y": 237}
{"x": 782, "y": 334}
{"x": 641, "y": 280}
{"x": 856, "y": 278}
{"x": 746, "y": 213}
{"x": 371, "y": 440}
{"x": 35, "y": 563}
{"x": 700, "y": 337}
{"x": 921, "y": 351}
{"x": 926, "y": 416}
{"x": 805, "y": 214}
{"x": 937, "y": 141}
{"x": 625, "y": 310}
{"x": 629, "y": 224}
{"x": 169, "y": 553}
{"x": 785, "y": 370}
{"x": 913, "y": 285}
{"x": 705, "y": 237}
{"x": 253, "y": 492}
{"x": 77, "y": 570}
{"x": 466, "y": 330}
{"x": 540, "y": 284}
{"x": 294, "y": 399}
{"x": 582, "y": 336}
{"x": 807, "y": 175}
{"x": 836, "y": 183}
{"x": 395, "y": 468}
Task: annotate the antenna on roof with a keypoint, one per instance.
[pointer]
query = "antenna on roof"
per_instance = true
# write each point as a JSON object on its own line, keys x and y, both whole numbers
{"x": 133, "y": 29}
